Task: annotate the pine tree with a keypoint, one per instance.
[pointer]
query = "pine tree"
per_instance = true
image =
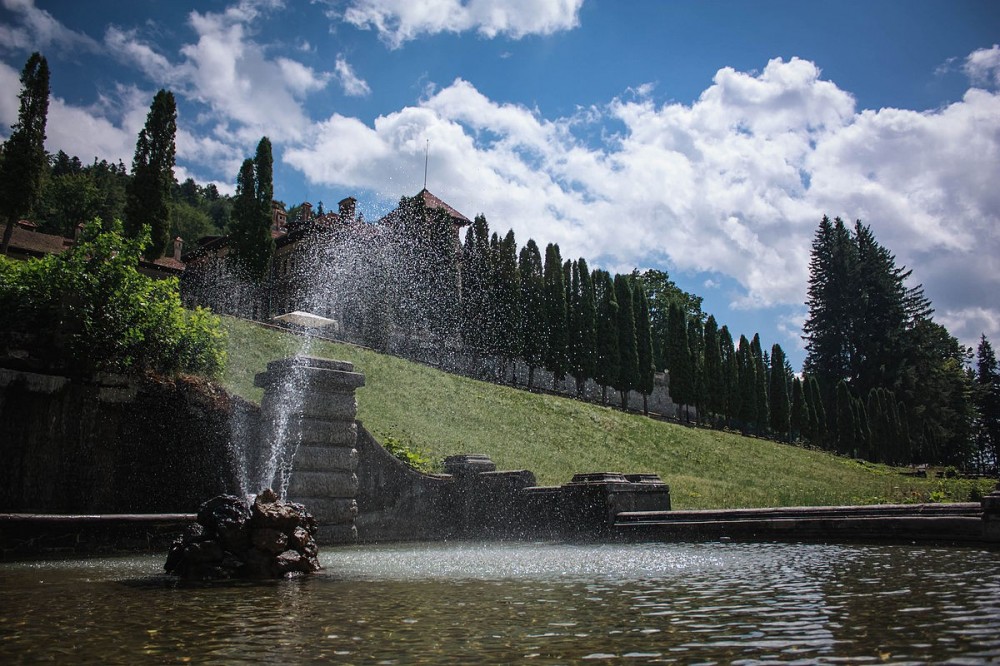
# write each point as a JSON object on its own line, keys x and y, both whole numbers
{"x": 987, "y": 401}
{"x": 149, "y": 192}
{"x": 555, "y": 314}
{"x": 778, "y": 393}
{"x": 628, "y": 367}
{"x": 23, "y": 158}
{"x": 533, "y": 325}
{"x": 644, "y": 344}
{"x": 608, "y": 359}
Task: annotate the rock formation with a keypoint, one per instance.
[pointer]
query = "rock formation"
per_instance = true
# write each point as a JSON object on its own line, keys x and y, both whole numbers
{"x": 270, "y": 538}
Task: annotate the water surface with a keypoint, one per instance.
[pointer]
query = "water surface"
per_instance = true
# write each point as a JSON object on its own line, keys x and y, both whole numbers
{"x": 534, "y": 603}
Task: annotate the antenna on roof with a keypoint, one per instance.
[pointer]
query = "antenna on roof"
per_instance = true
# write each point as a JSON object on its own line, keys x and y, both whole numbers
{"x": 426, "y": 149}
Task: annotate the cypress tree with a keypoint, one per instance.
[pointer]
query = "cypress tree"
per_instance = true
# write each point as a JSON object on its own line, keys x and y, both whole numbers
{"x": 628, "y": 367}
{"x": 747, "y": 369}
{"x": 507, "y": 297}
{"x": 23, "y": 158}
{"x": 533, "y": 323}
{"x": 608, "y": 361}
{"x": 250, "y": 221}
{"x": 555, "y": 314}
{"x": 799, "y": 415}
{"x": 778, "y": 393}
{"x": 678, "y": 357}
{"x": 713, "y": 377}
{"x": 847, "y": 427}
{"x": 587, "y": 321}
{"x": 730, "y": 376}
{"x": 696, "y": 356}
{"x": 761, "y": 408}
{"x": 644, "y": 345}
{"x": 818, "y": 421}
{"x": 149, "y": 192}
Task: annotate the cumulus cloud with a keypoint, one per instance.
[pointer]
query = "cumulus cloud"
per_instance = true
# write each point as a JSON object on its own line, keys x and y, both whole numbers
{"x": 353, "y": 85}
{"x": 733, "y": 184}
{"x": 983, "y": 66}
{"x": 37, "y": 30}
{"x": 399, "y": 21}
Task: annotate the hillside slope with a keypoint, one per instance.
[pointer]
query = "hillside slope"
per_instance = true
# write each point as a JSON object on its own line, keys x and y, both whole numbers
{"x": 443, "y": 414}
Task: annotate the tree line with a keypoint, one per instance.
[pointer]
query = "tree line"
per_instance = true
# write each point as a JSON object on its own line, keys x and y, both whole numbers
{"x": 882, "y": 380}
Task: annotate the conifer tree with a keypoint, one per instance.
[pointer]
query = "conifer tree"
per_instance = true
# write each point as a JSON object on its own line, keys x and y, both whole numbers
{"x": 799, "y": 415}
{"x": 555, "y": 314}
{"x": 608, "y": 360}
{"x": 250, "y": 222}
{"x": 730, "y": 376}
{"x": 847, "y": 427}
{"x": 778, "y": 393}
{"x": 678, "y": 357}
{"x": 587, "y": 322}
{"x": 23, "y": 158}
{"x": 533, "y": 320}
{"x": 761, "y": 407}
{"x": 817, "y": 412}
{"x": 149, "y": 192}
{"x": 644, "y": 344}
{"x": 628, "y": 366}
{"x": 696, "y": 356}
{"x": 987, "y": 400}
{"x": 507, "y": 300}
{"x": 713, "y": 377}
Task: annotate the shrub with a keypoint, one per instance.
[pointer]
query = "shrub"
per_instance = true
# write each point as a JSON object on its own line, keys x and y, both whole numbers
{"x": 89, "y": 309}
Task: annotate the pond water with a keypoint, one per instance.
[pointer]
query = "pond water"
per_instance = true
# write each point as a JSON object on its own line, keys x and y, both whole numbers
{"x": 533, "y": 603}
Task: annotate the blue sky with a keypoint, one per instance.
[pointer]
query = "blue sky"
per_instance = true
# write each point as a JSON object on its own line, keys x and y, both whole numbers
{"x": 706, "y": 138}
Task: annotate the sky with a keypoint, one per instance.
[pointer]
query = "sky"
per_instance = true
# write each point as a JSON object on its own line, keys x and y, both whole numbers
{"x": 706, "y": 138}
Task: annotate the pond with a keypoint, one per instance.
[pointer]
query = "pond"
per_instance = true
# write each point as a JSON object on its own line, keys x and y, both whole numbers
{"x": 542, "y": 603}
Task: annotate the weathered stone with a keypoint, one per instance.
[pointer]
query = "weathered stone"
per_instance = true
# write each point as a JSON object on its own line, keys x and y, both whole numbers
{"x": 299, "y": 538}
{"x": 202, "y": 552}
{"x": 321, "y": 433}
{"x": 281, "y": 516}
{"x": 226, "y": 517}
{"x": 323, "y": 484}
{"x": 318, "y": 405}
{"x": 269, "y": 539}
{"x": 331, "y": 534}
{"x": 332, "y": 511}
{"x": 469, "y": 463}
{"x": 325, "y": 459}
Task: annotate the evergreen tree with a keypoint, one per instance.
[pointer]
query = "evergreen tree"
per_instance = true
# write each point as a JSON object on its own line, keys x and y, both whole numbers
{"x": 678, "y": 357}
{"x": 696, "y": 358}
{"x": 846, "y": 420}
{"x": 477, "y": 299}
{"x": 713, "y": 376}
{"x": 608, "y": 359}
{"x": 628, "y": 365}
{"x": 508, "y": 300}
{"x": 730, "y": 376}
{"x": 533, "y": 323}
{"x": 149, "y": 192}
{"x": 799, "y": 415}
{"x": 817, "y": 414}
{"x": 555, "y": 314}
{"x": 644, "y": 344}
{"x": 587, "y": 322}
{"x": 747, "y": 373}
{"x": 778, "y": 393}
{"x": 987, "y": 400}
{"x": 23, "y": 158}
{"x": 252, "y": 245}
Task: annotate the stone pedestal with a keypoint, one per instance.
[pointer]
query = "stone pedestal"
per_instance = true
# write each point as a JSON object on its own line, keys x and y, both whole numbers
{"x": 311, "y": 401}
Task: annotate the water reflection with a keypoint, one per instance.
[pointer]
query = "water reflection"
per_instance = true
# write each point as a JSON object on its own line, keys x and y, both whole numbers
{"x": 544, "y": 603}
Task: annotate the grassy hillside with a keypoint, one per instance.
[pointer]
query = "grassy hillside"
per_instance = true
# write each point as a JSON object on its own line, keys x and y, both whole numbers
{"x": 442, "y": 414}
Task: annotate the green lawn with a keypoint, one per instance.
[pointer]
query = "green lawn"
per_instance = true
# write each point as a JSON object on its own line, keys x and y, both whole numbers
{"x": 442, "y": 414}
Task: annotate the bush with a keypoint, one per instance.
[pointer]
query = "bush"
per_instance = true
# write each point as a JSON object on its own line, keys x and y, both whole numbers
{"x": 89, "y": 309}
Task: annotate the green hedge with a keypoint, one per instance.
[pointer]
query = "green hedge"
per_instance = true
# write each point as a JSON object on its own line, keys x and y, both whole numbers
{"x": 89, "y": 309}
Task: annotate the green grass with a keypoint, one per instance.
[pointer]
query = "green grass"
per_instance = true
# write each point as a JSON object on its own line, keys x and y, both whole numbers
{"x": 442, "y": 414}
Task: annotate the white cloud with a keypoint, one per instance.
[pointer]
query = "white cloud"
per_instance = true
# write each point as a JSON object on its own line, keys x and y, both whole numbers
{"x": 38, "y": 30}
{"x": 983, "y": 66}
{"x": 126, "y": 46}
{"x": 352, "y": 84}
{"x": 399, "y": 21}
{"x": 733, "y": 184}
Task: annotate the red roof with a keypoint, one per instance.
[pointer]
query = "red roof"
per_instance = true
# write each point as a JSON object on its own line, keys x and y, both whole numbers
{"x": 431, "y": 201}
{"x": 36, "y": 243}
